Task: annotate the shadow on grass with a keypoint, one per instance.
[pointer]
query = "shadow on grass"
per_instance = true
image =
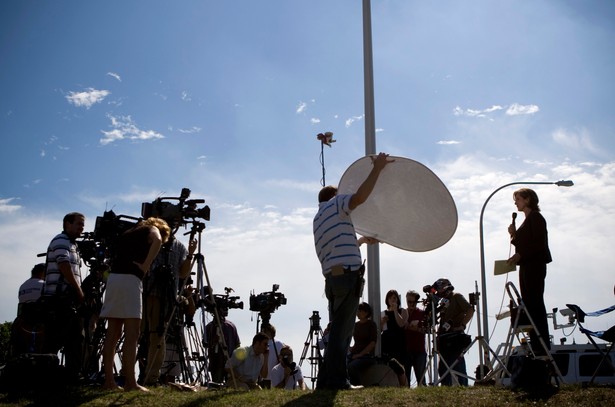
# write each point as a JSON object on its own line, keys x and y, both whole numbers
{"x": 314, "y": 398}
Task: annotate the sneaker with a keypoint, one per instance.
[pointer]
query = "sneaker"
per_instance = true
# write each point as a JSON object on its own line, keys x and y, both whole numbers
{"x": 351, "y": 387}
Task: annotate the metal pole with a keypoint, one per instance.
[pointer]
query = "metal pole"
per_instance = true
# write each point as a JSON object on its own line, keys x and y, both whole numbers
{"x": 373, "y": 252}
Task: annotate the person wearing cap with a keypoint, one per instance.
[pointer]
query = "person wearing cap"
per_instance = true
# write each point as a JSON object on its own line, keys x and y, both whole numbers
{"x": 451, "y": 340}
{"x": 337, "y": 248}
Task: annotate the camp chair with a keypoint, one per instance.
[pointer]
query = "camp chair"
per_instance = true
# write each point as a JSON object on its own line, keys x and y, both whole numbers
{"x": 607, "y": 336}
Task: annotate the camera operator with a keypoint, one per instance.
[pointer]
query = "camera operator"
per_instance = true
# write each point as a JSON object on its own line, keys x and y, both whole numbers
{"x": 160, "y": 290}
{"x": 63, "y": 295}
{"x": 287, "y": 374}
{"x": 215, "y": 354}
{"x": 451, "y": 339}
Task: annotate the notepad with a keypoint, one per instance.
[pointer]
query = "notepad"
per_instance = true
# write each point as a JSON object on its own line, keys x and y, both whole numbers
{"x": 502, "y": 267}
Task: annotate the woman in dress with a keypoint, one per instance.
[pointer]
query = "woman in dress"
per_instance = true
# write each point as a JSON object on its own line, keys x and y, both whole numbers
{"x": 122, "y": 306}
{"x": 393, "y": 322}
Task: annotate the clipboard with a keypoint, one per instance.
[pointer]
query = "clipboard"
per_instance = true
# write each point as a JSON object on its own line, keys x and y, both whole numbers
{"x": 502, "y": 267}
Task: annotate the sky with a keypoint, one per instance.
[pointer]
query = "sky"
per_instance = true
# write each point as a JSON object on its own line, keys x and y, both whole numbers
{"x": 107, "y": 105}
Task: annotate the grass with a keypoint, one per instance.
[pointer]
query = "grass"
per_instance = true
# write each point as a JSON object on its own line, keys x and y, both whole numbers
{"x": 477, "y": 396}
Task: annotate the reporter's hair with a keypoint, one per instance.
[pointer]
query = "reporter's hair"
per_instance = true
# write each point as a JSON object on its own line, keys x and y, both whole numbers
{"x": 160, "y": 224}
{"x": 530, "y": 195}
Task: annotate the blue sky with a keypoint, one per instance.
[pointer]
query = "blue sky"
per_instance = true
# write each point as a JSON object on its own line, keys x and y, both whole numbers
{"x": 106, "y": 105}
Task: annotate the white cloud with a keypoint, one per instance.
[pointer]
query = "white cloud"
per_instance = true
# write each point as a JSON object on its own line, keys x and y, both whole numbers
{"x": 7, "y": 207}
{"x": 301, "y": 108}
{"x": 513, "y": 110}
{"x": 351, "y": 120}
{"x": 191, "y": 130}
{"x": 87, "y": 98}
{"x": 124, "y": 128}
{"x": 516, "y": 109}
{"x": 458, "y": 111}
{"x": 448, "y": 142}
{"x": 185, "y": 96}
{"x": 314, "y": 120}
{"x": 579, "y": 140}
{"x": 114, "y": 75}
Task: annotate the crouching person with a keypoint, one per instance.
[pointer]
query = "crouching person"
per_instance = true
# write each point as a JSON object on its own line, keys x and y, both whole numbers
{"x": 248, "y": 363}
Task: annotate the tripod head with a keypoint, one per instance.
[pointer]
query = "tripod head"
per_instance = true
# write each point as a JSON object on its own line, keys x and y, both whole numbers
{"x": 315, "y": 321}
{"x": 265, "y": 317}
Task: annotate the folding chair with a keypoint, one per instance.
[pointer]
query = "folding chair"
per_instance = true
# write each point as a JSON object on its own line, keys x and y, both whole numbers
{"x": 607, "y": 336}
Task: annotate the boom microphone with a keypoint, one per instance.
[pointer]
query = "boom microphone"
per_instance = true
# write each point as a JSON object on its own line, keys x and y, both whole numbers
{"x": 514, "y": 216}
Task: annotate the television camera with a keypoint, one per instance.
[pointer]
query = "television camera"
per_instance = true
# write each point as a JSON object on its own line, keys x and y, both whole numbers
{"x": 222, "y": 302}
{"x": 267, "y": 302}
{"x": 177, "y": 214}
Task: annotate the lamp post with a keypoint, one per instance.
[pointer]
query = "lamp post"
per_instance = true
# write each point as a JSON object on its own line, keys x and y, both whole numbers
{"x": 482, "y": 248}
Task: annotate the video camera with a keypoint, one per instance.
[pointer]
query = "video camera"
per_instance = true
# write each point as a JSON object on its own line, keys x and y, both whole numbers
{"x": 223, "y": 302}
{"x": 91, "y": 251}
{"x": 267, "y": 302}
{"x": 176, "y": 214}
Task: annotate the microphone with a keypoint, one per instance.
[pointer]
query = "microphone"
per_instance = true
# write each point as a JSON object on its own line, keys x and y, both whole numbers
{"x": 514, "y": 216}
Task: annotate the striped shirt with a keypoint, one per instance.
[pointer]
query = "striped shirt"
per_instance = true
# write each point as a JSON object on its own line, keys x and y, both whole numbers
{"x": 30, "y": 290}
{"x": 61, "y": 250}
{"x": 334, "y": 235}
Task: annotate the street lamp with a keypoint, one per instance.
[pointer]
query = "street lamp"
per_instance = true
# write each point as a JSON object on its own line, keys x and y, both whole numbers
{"x": 567, "y": 183}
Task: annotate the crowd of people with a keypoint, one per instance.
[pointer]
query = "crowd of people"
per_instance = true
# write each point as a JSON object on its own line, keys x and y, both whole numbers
{"x": 151, "y": 267}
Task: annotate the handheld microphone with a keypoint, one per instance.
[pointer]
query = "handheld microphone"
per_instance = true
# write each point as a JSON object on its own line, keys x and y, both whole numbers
{"x": 514, "y": 216}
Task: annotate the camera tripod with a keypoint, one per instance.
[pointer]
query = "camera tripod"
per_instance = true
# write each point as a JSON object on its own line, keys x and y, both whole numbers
{"x": 162, "y": 346}
{"x": 484, "y": 348}
{"x": 313, "y": 343}
{"x": 204, "y": 289}
{"x": 435, "y": 353}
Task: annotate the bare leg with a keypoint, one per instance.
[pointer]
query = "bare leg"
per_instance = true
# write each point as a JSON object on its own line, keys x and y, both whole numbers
{"x": 114, "y": 330}
{"x": 129, "y": 353}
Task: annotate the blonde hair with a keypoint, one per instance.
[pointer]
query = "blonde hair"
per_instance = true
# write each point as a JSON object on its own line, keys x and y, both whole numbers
{"x": 160, "y": 224}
